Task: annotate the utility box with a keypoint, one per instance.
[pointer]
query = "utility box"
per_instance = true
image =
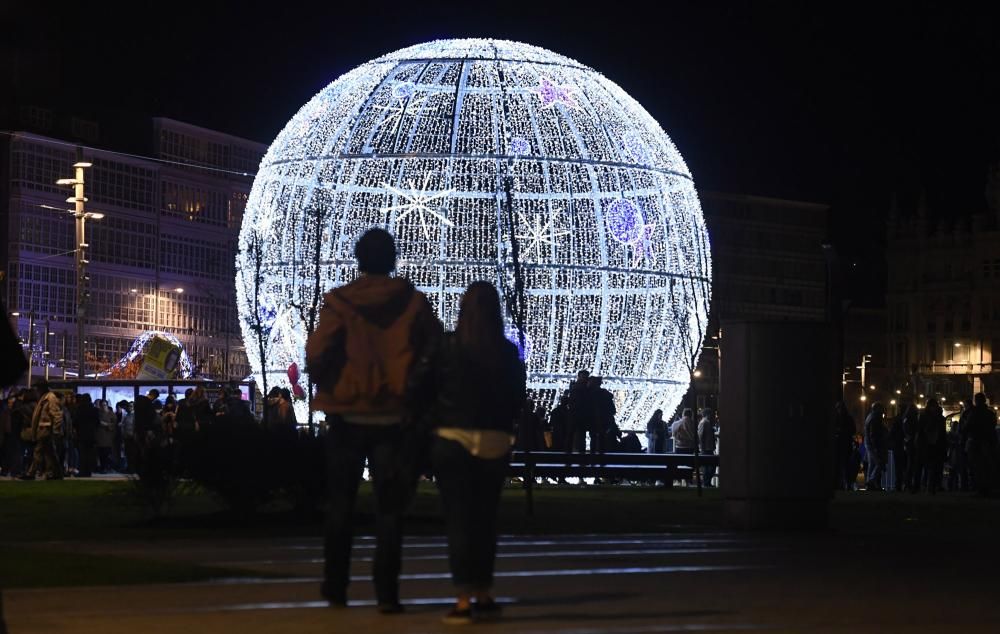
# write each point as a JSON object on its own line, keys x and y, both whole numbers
{"x": 778, "y": 382}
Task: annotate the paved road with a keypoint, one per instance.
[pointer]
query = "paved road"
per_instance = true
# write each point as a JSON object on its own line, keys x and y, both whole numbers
{"x": 580, "y": 584}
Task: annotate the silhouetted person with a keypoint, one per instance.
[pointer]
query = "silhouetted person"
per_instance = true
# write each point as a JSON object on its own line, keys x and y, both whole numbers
{"x": 105, "y": 436}
{"x": 910, "y": 425}
{"x": 479, "y": 383}
{"x": 876, "y": 447}
{"x": 360, "y": 356}
{"x": 86, "y": 422}
{"x": 684, "y": 432}
{"x": 529, "y": 429}
{"x": 843, "y": 438}
{"x": 630, "y": 443}
{"x": 578, "y": 404}
{"x": 47, "y": 432}
{"x": 895, "y": 443}
{"x": 656, "y": 433}
{"x": 932, "y": 445}
{"x": 559, "y": 424}
{"x": 981, "y": 444}
{"x": 146, "y": 419}
{"x": 960, "y": 461}
{"x": 235, "y": 411}
{"x": 707, "y": 443}
{"x": 602, "y": 418}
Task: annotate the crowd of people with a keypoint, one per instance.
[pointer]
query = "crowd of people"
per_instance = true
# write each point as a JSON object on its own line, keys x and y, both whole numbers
{"x": 919, "y": 448}
{"x": 52, "y": 435}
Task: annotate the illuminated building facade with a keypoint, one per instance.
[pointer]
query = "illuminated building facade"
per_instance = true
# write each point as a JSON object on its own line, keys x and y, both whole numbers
{"x": 161, "y": 258}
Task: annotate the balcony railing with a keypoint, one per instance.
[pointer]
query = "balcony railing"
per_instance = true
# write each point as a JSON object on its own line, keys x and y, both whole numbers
{"x": 954, "y": 367}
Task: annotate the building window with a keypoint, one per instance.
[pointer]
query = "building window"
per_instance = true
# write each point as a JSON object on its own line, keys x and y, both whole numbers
{"x": 931, "y": 351}
{"x": 194, "y": 203}
{"x": 122, "y": 184}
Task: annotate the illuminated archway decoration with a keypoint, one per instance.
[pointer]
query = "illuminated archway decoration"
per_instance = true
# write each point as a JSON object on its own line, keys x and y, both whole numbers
{"x": 426, "y": 142}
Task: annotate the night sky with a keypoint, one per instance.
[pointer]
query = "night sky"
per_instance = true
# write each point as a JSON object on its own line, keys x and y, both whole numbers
{"x": 843, "y": 104}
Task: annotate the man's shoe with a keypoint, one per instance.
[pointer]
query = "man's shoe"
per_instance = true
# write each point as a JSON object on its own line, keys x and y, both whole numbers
{"x": 458, "y": 617}
{"x": 390, "y": 608}
{"x": 335, "y": 599}
{"x": 26, "y": 476}
{"x": 488, "y": 610}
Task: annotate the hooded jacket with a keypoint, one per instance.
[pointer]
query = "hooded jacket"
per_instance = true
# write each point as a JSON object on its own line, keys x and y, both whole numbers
{"x": 370, "y": 333}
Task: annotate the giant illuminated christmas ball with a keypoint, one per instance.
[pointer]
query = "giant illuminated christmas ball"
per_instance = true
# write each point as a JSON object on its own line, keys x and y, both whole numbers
{"x": 489, "y": 160}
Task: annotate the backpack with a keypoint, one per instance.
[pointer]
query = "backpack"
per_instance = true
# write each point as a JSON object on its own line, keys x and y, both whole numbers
{"x": 374, "y": 377}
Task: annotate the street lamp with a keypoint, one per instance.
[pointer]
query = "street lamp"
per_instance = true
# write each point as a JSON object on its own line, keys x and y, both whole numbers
{"x": 82, "y": 279}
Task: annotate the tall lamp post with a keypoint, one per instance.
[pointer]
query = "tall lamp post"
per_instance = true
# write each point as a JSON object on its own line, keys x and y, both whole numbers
{"x": 31, "y": 341}
{"x": 82, "y": 278}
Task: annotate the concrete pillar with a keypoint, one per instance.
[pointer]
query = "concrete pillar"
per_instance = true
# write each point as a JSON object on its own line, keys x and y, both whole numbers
{"x": 779, "y": 382}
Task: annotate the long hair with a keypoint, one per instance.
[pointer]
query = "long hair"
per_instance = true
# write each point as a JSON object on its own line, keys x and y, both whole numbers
{"x": 480, "y": 323}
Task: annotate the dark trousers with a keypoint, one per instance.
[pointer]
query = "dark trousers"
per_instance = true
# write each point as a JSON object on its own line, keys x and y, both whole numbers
{"x": 598, "y": 440}
{"x": 576, "y": 438}
{"x": 46, "y": 459}
{"x": 708, "y": 472}
{"x": 470, "y": 489}
{"x": 88, "y": 459}
{"x": 933, "y": 473}
{"x": 104, "y": 459}
{"x": 899, "y": 467}
{"x": 349, "y": 446}
{"x": 982, "y": 467}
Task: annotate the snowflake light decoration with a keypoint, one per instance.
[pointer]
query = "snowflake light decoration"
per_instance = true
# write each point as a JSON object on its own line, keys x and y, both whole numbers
{"x": 538, "y": 234}
{"x": 463, "y": 149}
{"x": 419, "y": 201}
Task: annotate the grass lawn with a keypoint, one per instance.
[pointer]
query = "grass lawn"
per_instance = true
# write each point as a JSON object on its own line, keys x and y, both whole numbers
{"x": 41, "y": 565}
{"x": 72, "y": 510}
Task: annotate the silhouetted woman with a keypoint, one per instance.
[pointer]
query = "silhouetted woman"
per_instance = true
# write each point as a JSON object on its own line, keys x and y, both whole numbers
{"x": 932, "y": 446}
{"x": 479, "y": 386}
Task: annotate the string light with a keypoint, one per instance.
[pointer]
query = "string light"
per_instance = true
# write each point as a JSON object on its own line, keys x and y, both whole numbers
{"x": 613, "y": 248}
{"x": 138, "y": 348}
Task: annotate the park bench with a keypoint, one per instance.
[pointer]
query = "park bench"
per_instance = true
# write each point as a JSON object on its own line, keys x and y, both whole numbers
{"x": 664, "y": 467}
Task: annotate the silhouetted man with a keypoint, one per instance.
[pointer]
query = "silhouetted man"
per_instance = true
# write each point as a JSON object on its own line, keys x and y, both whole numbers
{"x": 876, "y": 446}
{"x": 602, "y": 420}
{"x": 47, "y": 430}
{"x": 981, "y": 445}
{"x": 578, "y": 407}
{"x": 360, "y": 356}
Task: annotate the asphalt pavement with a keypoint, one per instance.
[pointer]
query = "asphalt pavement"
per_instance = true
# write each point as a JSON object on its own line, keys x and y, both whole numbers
{"x": 684, "y": 581}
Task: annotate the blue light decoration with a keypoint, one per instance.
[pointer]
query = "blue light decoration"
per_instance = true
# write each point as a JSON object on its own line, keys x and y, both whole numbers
{"x": 624, "y": 221}
{"x": 491, "y": 160}
{"x": 519, "y": 146}
{"x": 523, "y": 348}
